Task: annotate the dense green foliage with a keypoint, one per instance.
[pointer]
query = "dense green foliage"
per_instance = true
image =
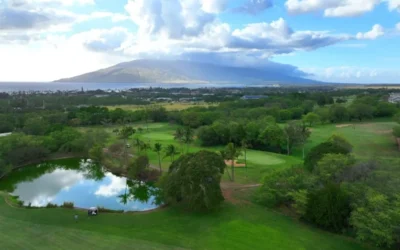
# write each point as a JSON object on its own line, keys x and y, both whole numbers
{"x": 194, "y": 181}
{"x": 340, "y": 194}
{"x": 332, "y": 146}
{"x": 328, "y": 207}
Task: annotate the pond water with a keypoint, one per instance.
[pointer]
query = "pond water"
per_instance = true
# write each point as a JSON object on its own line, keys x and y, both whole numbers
{"x": 81, "y": 182}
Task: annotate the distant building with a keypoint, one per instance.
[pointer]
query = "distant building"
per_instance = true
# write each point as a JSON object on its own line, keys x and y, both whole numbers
{"x": 253, "y": 97}
{"x": 101, "y": 96}
{"x": 394, "y": 98}
{"x": 166, "y": 99}
{"x": 193, "y": 99}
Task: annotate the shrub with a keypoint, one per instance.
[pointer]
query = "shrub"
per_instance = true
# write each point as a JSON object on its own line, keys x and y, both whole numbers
{"x": 329, "y": 208}
{"x": 335, "y": 145}
{"x": 278, "y": 186}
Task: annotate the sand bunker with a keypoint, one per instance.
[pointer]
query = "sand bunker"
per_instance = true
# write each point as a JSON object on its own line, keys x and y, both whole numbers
{"x": 235, "y": 164}
{"x": 343, "y": 125}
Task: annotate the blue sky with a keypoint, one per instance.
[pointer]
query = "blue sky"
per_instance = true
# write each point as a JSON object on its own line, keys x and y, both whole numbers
{"x": 352, "y": 41}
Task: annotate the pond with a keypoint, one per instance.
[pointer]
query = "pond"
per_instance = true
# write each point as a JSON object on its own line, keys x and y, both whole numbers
{"x": 81, "y": 182}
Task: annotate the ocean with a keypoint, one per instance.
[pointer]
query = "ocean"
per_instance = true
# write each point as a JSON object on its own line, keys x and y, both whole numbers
{"x": 63, "y": 86}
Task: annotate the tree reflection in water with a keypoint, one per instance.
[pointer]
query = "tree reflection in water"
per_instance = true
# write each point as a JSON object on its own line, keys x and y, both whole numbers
{"x": 136, "y": 190}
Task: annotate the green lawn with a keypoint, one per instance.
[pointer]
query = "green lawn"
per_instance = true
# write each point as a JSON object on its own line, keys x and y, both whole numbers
{"x": 166, "y": 105}
{"x": 234, "y": 227}
{"x": 369, "y": 139}
{"x": 259, "y": 162}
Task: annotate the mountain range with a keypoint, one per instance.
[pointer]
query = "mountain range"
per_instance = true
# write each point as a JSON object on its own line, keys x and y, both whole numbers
{"x": 163, "y": 71}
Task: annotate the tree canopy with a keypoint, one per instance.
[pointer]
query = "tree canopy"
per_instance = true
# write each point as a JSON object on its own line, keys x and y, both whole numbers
{"x": 193, "y": 180}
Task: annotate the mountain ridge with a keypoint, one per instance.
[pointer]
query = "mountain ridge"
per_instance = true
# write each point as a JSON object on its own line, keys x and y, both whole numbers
{"x": 180, "y": 71}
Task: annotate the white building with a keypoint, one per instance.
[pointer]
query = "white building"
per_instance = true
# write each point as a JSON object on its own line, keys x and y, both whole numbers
{"x": 394, "y": 98}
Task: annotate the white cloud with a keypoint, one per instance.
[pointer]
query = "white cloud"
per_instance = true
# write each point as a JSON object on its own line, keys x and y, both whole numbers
{"x": 51, "y": 58}
{"x": 18, "y": 3}
{"x": 116, "y": 185}
{"x": 332, "y": 8}
{"x": 213, "y": 6}
{"x": 394, "y": 5}
{"x": 351, "y": 74}
{"x": 115, "y": 17}
{"x": 376, "y": 31}
{"x": 44, "y": 189}
{"x": 172, "y": 18}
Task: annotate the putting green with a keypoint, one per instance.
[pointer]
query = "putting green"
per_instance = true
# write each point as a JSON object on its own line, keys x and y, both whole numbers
{"x": 263, "y": 158}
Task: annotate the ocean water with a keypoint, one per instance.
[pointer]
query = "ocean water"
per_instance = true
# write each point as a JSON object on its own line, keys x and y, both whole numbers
{"x": 63, "y": 86}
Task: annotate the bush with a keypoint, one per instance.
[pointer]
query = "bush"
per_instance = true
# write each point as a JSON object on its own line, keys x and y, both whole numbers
{"x": 335, "y": 145}
{"x": 277, "y": 186}
{"x": 329, "y": 208}
{"x": 68, "y": 205}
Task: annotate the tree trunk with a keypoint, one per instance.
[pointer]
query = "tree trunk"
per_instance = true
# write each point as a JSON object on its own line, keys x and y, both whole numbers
{"x": 159, "y": 161}
{"x": 288, "y": 146}
{"x": 233, "y": 170}
{"x": 125, "y": 153}
{"x": 245, "y": 158}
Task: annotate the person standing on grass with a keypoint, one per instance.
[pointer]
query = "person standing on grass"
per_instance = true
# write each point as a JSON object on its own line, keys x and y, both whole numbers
{"x": 76, "y": 217}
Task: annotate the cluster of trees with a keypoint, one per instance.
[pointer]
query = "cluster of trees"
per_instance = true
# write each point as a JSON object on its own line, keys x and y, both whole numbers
{"x": 19, "y": 148}
{"x": 42, "y": 122}
{"x": 262, "y": 134}
{"x": 335, "y": 192}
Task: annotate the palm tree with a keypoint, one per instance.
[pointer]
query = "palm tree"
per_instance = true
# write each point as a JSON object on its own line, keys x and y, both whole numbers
{"x": 125, "y": 196}
{"x": 171, "y": 151}
{"x": 138, "y": 144}
{"x": 232, "y": 153}
{"x": 158, "y": 149}
{"x": 124, "y": 134}
{"x": 188, "y": 137}
{"x": 245, "y": 146}
{"x": 145, "y": 146}
{"x": 179, "y": 133}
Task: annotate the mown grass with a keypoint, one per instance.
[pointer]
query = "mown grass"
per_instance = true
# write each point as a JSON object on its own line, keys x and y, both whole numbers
{"x": 234, "y": 227}
{"x": 370, "y": 140}
{"x": 168, "y": 106}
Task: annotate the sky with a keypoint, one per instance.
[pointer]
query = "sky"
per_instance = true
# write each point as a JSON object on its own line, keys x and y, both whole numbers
{"x": 349, "y": 41}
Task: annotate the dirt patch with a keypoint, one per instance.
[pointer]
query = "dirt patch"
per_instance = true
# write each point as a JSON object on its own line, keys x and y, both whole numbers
{"x": 228, "y": 195}
{"x": 343, "y": 125}
{"x": 231, "y": 189}
{"x": 235, "y": 164}
{"x": 382, "y": 132}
